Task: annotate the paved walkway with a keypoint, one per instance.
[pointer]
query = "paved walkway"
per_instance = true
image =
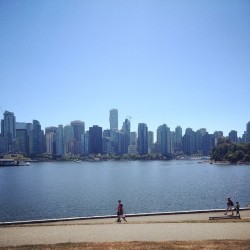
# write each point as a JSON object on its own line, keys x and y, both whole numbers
{"x": 148, "y": 228}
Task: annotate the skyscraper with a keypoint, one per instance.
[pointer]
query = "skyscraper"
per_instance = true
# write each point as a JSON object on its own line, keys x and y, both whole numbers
{"x": 233, "y": 136}
{"x": 142, "y": 142}
{"x": 68, "y": 137}
{"x": 36, "y": 139}
{"x": 126, "y": 131}
{"x": 22, "y": 143}
{"x": 178, "y": 139}
{"x": 113, "y": 119}
{"x": 59, "y": 140}
{"x": 78, "y": 132}
{"x": 188, "y": 142}
{"x": 164, "y": 140}
{"x": 248, "y": 132}
{"x": 9, "y": 131}
{"x": 150, "y": 141}
{"x": 207, "y": 143}
{"x": 95, "y": 140}
{"x": 50, "y": 139}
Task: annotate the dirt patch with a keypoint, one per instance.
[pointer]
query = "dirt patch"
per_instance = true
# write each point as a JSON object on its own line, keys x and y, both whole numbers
{"x": 197, "y": 245}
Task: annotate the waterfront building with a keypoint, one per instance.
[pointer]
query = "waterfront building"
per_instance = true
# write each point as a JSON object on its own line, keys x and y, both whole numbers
{"x": 178, "y": 139}
{"x": 150, "y": 142}
{"x": 198, "y": 140}
{"x": 50, "y": 129}
{"x": 164, "y": 140}
{"x": 233, "y": 136}
{"x": 113, "y": 119}
{"x": 78, "y": 134}
{"x": 36, "y": 139}
{"x": 21, "y": 125}
{"x": 95, "y": 140}
{"x": 126, "y": 131}
{"x": 188, "y": 142}
{"x": 59, "y": 140}
{"x": 142, "y": 141}
{"x": 120, "y": 143}
{"x": 3, "y": 144}
{"x": 217, "y": 135}
{"x": 9, "y": 131}
{"x": 133, "y": 138}
{"x": 68, "y": 137}
{"x": 86, "y": 143}
{"x": 248, "y": 132}
{"x": 22, "y": 141}
{"x": 50, "y": 140}
{"x": 132, "y": 150}
{"x": 207, "y": 144}
{"x": 109, "y": 145}
{"x": 29, "y": 127}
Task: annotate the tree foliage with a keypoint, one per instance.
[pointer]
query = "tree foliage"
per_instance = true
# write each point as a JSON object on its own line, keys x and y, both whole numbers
{"x": 231, "y": 152}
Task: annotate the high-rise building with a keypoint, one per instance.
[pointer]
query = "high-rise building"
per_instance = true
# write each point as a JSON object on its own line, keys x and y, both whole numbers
{"x": 142, "y": 141}
{"x": 50, "y": 140}
{"x": 207, "y": 144}
{"x": 113, "y": 119}
{"x": 177, "y": 139}
{"x": 9, "y": 131}
{"x": 233, "y": 136}
{"x": 164, "y": 140}
{"x": 95, "y": 140}
{"x": 248, "y": 132}
{"x": 133, "y": 138}
{"x": 188, "y": 142}
{"x": 68, "y": 137}
{"x": 86, "y": 143}
{"x": 22, "y": 141}
{"x": 78, "y": 132}
{"x": 120, "y": 143}
{"x": 198, "y": 140}
{"x": 36, "y": 139}
{"x": 109, "y": 145}
{"x": 150, "y": 142}
{"x": 59, "y": 140}
{"x": 126, "y": 131}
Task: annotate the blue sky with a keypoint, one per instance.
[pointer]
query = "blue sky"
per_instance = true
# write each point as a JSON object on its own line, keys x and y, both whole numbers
{"x": 176, "y": 62}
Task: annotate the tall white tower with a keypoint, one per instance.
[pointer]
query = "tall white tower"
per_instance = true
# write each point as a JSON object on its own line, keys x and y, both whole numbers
{"x": 113, "y": 119}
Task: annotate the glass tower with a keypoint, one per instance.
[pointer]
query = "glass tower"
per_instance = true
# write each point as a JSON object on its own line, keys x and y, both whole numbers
{"x": 113, "y": 119}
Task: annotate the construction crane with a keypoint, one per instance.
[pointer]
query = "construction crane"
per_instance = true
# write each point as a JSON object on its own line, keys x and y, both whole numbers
{"x": 1, "y": 109}
{"x": 129, "y": 118}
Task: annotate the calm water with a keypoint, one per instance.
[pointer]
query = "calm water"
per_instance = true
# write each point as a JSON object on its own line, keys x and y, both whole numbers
{"x": 69, "y": 189}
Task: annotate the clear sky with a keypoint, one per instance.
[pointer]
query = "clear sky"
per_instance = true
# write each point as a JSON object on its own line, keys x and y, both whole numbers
{"x": 179, "y": 62}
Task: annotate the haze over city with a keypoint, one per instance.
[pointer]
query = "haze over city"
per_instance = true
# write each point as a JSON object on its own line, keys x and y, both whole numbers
{"x": 175, "y": 62}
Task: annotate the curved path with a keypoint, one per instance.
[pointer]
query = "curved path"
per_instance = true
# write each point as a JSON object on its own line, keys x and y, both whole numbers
{"x": 150, "y": 228}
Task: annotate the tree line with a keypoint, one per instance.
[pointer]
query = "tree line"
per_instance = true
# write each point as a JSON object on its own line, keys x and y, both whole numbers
{"x": 227, "y": 151}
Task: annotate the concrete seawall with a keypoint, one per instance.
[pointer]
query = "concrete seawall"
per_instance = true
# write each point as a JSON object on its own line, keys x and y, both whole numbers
{"x": 114, "y": 216}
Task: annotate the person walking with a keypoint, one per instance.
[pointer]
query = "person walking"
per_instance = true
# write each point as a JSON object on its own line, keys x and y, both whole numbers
{"x": 237, "y": 208}
{"x": 230, "y": 205}
{"x": 120, "y": 212}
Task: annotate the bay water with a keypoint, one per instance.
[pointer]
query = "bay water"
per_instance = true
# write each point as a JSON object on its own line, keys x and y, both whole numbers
{"x": 46, "y": 190}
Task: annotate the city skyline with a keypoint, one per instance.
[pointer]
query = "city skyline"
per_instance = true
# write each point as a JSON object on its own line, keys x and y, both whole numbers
{"x": 120, "y": 127}
{"x": 30, "y": 139}
{"x": 158, "y": 62}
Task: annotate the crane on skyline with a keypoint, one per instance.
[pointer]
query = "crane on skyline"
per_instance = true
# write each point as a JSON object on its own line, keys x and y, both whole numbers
{"x": 129, "y": 118}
